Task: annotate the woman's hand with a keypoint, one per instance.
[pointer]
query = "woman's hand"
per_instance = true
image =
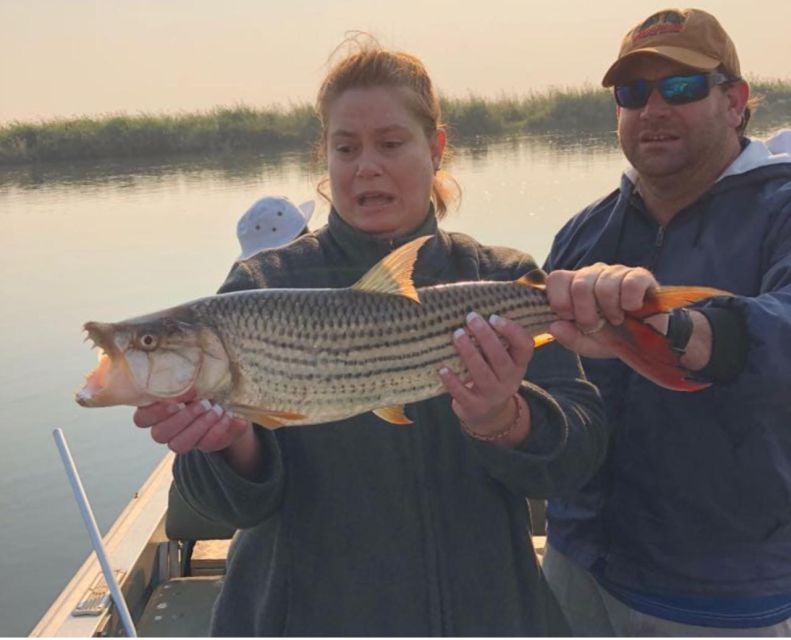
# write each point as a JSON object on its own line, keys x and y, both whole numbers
{"x": 184, "y": 424}
{"x": 496, "y": 355}
{"x": 587, "y": 298}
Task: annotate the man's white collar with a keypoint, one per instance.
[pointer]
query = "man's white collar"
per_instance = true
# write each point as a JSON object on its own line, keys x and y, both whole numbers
{"x": 760, "y": 153}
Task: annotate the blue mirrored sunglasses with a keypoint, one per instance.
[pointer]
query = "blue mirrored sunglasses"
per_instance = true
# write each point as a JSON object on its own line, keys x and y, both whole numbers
{"x": 673, "y": 89}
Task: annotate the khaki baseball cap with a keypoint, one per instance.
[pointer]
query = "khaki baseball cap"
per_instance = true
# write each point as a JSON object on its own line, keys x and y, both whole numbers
{"x": 689, "y": 36}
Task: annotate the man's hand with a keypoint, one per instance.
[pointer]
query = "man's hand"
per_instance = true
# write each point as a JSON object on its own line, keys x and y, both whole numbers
{"x": 587, "y": 298}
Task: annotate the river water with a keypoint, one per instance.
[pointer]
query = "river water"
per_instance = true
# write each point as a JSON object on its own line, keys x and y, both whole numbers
{"x": 112, "y": 240}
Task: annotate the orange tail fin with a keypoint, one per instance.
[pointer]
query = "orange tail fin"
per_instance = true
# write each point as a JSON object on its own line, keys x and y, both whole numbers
{"x": 645, "y": 349}
{"x": 668, "y": 298}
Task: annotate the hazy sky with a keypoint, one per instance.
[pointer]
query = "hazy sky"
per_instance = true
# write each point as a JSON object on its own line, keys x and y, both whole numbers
{"x": 72, "y": 57}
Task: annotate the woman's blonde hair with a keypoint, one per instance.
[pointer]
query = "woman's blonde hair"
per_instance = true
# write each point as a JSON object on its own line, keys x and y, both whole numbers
{"x": 369, "y": 65}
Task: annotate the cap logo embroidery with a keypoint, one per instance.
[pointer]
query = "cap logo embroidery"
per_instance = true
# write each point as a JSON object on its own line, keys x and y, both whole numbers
{"x": 662, "y": 22}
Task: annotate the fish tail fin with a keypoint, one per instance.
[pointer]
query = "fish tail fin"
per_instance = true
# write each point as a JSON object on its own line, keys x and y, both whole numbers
{"x": 647, "y": 350}
{"x": 666, "y": 299}
{"x": 649, "y": 353}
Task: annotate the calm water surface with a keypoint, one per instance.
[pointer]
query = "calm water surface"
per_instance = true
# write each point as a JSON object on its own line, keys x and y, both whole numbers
{"x": 105, "y": 242}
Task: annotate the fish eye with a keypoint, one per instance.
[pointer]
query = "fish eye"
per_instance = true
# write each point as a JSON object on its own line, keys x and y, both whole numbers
{"x": 280, "y": 213}
{"x": 148, "y": 341}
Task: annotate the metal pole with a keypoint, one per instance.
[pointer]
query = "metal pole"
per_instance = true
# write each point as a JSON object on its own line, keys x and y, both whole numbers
{"x": 93, "y": 531}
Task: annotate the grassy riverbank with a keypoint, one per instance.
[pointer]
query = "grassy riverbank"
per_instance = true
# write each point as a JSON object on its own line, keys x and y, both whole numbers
{"x": 223, "y": 130}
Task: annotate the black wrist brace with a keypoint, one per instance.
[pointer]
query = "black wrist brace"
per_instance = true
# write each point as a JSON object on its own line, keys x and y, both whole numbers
{"x": 729, "y": 346}
{"x": 679, "y": 329}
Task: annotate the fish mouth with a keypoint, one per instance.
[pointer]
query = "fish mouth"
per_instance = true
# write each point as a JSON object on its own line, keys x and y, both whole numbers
{"x": 110, "y": 374}
{"x": 374, "y": 199}
{"x": 95, "y": 382}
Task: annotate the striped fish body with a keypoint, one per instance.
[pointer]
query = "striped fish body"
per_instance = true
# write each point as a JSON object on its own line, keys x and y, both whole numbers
{"x": 304, "y": 356}
{"x": 329, "y": 354}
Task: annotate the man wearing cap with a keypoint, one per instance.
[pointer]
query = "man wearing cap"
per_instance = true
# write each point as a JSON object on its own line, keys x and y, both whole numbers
{"x": 686, "y": 529}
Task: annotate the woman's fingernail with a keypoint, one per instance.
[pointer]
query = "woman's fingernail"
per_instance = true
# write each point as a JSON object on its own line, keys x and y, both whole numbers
{"x": 205, "y": 404}
{"x": 444, "y": 371}
{"x": 217, "y": 408}
{"x": 473, "y": 319}
{"x": 459, "y": 333}
{"x": 496, "y": 320}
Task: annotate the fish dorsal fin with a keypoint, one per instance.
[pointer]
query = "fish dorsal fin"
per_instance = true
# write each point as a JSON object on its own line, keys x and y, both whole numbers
{"x": 393, "y": 415}
{"x": 393, "y": 274}
{"x": 535, "y": 278}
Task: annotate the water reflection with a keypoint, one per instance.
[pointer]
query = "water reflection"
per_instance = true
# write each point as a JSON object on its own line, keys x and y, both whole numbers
{"x": 273, "y": 167}
{"x": 127, "y": 173}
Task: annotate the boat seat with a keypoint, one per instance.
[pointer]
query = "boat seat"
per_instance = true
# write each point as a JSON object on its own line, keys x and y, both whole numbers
{"x": 180, "y": 607}
{"x": 186, "y": 526}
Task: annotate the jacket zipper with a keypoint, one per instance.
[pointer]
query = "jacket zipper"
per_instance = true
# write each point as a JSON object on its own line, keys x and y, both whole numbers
{"x": 660, "y": 237}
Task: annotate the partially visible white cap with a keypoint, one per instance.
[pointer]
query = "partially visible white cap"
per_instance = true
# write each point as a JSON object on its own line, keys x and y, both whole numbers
{"x": 271, "y": 222}
{"x": 780, "y": 142}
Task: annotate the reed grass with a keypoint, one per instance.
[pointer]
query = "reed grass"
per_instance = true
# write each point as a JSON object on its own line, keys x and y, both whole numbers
{"x": 586, "y": 110}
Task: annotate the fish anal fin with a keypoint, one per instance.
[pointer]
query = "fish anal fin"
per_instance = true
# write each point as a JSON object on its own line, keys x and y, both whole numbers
{"x": 266, "y": 417}
{"x": 393, "y": 415}
{"x": 393, "y": 274}
{"x": 668, "y": 298}
{"x": 536, "y": 278}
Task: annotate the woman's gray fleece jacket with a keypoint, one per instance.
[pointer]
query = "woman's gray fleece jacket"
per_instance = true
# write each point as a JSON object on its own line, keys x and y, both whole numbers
{"x": 361, "y": 527}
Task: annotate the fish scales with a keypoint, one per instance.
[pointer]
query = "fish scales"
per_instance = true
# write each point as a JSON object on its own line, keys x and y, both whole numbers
{"x": 330, "y": 354}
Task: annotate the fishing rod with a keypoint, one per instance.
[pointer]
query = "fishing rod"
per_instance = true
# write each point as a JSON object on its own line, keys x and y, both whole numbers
{"x": 93, "y": 532}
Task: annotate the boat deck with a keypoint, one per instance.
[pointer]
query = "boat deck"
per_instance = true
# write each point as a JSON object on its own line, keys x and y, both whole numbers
{"x": 182, "y": 606}
{"x": 170, "y": 564}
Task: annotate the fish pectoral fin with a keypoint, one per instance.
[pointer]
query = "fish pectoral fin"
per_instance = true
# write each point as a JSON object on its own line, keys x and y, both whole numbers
{"x": 266, "y": 417}
{"x": 537, "y": 279}
{"x": 393, "y": 274}
{"x": 393, "y": 415}
{"x": 542, "y": 338}
{"x": 668, "y": 298}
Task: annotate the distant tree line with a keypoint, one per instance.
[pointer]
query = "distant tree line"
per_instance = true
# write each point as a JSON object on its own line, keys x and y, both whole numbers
{"x": 259, "y": 130}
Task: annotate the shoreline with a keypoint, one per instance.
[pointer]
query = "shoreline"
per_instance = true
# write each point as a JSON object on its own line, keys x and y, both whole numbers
{"x": 585, "y": 110}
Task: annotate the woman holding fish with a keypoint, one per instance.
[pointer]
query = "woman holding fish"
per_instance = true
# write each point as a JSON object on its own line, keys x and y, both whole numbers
{"x": 411, "y": 521}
